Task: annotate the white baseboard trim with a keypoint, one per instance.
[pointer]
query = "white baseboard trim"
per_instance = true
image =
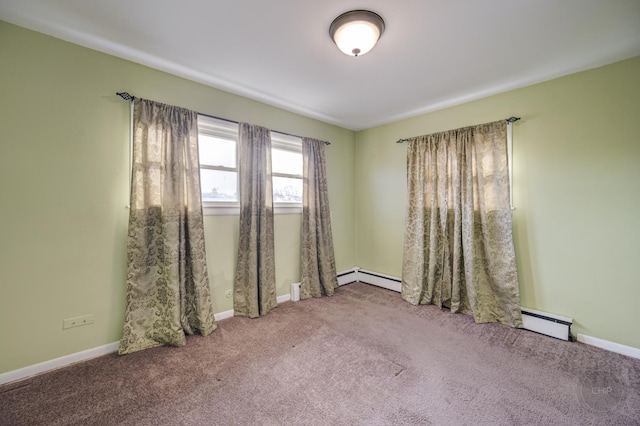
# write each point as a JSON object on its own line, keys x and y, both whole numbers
{"x": 283, "y": 298}
{"x": 345, "y": 277}
{"x": 609, "y": 346}
{"x": 223, "y": 315}
{"x": 54, "y": 364}
{"x": 545, "y": 323}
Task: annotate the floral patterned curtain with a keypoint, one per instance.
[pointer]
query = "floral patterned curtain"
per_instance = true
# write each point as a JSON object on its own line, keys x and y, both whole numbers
{"x": 458, "y": 246}
{"x": 168, "y": 293}
{"x": 255, "y": 280}
{"x": 318, "y": 260}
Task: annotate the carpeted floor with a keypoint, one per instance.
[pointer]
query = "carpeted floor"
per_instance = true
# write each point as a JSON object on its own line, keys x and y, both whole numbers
{"x": 362, "y": 357}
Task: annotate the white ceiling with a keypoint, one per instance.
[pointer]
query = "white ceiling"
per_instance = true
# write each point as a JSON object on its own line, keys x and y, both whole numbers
{"x": 433, "y": 54}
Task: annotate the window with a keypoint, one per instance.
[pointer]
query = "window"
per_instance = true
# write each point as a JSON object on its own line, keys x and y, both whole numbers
{"x": 218, "y": 151}
{"x": 286, "y": 168}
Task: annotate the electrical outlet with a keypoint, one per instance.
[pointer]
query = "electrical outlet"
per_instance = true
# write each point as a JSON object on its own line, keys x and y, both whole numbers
{"x": 77, "y": 321}
{"x": 228, "y": 294}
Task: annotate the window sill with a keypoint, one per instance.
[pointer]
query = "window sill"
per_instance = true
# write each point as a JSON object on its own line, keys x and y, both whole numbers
{"x": 234, "y": 210}
{"x": 286, "y": 208}
{"x": 217, "y": 210}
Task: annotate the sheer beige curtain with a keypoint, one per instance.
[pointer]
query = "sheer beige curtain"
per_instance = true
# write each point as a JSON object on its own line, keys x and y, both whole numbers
{"x": 458, "y": 248}
{"x": 168, "y": 292}
{"x": 255, "y": 280}
{"x": 318, "y": 259}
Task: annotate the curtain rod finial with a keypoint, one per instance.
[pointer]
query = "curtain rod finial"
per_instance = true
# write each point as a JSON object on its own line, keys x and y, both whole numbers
{"x": 512, "y": 119}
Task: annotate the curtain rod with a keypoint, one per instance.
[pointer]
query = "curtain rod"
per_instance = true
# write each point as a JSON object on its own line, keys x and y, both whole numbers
{"x": 511, "y": 119}
{"x": 128, "y": 97}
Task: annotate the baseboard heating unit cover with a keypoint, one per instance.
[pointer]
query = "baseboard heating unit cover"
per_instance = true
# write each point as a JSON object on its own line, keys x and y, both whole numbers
{"x": 544, "y": 323}
{"x": 540, "y": 322}
{"x": 380, "y": 280}
{"x": 537, "y": 321}
{"x": 348, "y": 277}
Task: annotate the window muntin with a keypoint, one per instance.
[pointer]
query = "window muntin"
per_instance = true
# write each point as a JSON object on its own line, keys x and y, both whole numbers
{"x": 218, "y": 151}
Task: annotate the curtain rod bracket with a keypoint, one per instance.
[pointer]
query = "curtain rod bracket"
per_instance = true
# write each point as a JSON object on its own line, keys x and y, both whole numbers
{"x": 126, "y": 96}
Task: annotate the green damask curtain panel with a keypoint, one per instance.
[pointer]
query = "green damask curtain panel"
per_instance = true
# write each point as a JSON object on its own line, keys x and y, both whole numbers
{"x": 255, "y": 280}
{"x": 458, "y": 245}
{"x": 318, "y": 260}
{"x": 168, "y": 293}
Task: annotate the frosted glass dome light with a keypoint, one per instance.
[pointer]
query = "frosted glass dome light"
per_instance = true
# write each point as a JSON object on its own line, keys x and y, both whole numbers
{"x": 356, "y": 32}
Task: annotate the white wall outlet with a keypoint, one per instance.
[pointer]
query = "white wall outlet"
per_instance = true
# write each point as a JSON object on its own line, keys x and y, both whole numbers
{"x": 228, "y": 294}
{"x": 77, "y": 321}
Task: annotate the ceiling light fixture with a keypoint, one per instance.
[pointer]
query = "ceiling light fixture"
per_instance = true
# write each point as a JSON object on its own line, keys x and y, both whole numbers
{"x": 356, "y": 32}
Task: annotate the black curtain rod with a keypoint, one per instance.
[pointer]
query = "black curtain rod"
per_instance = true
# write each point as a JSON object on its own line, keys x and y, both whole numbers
{"x": 128, "y": 97}
{"x": 511, "y": 119}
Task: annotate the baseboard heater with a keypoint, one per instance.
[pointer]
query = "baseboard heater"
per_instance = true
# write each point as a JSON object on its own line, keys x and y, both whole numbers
{"x": 345, "y": 277}
{"x": 348, "y": 277}
{"x": 379, "y": 280}
{"x": 539, "y": 322}
{"x": 548, "y": 324}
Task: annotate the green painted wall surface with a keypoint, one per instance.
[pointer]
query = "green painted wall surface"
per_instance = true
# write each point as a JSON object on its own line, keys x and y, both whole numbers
{"x": 64, "y": 187}
{"x": 576, "y": 193}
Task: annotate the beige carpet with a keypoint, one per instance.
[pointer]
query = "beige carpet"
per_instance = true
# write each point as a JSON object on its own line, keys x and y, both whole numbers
{"x": 362, "y": 357}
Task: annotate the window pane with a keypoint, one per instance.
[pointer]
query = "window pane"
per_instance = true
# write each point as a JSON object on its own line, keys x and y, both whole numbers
{"x": 216, "y": 151}
{"x": 288, "y": 162}
{"x": 287, "y": 190}
{"x": 217, "y": 185}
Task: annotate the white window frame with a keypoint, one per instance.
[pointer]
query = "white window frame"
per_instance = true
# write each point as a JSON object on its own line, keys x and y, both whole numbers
{"x": 229, "y": 130}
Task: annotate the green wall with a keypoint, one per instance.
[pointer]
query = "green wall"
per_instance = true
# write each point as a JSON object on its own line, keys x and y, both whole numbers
{"x": 64, "y": 187}
{"x": 576, "y": 193}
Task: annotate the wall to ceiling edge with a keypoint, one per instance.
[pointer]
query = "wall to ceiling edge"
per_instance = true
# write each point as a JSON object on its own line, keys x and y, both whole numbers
{"x": 576, "y": 193}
